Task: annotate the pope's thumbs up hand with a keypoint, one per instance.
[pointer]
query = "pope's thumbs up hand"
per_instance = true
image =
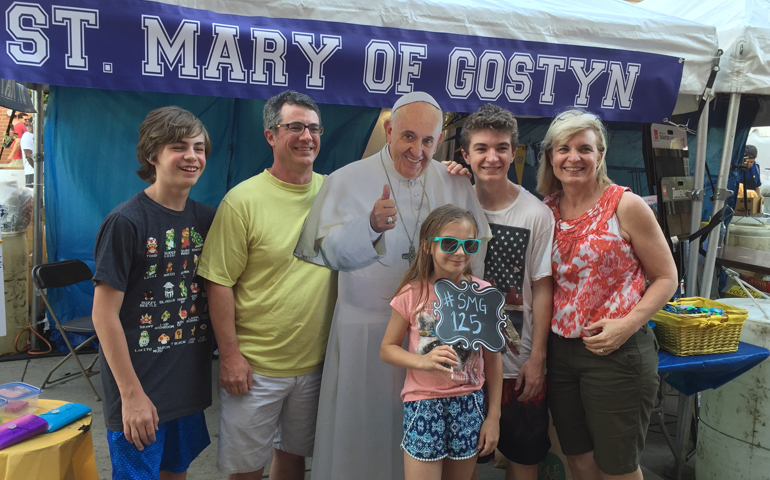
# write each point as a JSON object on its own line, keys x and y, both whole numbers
{"x": 383, "y": 216}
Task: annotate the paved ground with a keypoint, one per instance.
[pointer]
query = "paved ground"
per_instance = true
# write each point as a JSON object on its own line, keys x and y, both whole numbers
{"x": 656, "y": 460}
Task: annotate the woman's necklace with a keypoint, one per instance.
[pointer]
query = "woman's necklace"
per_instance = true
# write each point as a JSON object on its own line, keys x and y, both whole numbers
{"x": 412, "y": 250}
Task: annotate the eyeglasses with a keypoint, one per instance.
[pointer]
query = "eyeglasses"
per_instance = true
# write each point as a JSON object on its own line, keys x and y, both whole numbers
{"x": 576, "y": 113}
{"x": 451, "y": 244}
{"x": 298, "y": 128}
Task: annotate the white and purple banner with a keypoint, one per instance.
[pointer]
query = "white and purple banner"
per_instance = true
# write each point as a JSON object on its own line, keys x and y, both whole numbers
{"x": 147, "y": 46}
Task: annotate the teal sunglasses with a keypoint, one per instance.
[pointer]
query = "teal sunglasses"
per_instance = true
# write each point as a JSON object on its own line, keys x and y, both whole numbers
{"x": 451, "y": 244}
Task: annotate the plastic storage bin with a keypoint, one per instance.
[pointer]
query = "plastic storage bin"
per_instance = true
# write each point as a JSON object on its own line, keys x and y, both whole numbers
{"x": 3, "y": 403}
{"x": 21, "y": 399}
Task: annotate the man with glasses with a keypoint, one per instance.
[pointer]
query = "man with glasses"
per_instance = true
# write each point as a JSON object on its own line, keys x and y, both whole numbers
{"x": 270, "y": 310}
{"x": 365, "y": 223}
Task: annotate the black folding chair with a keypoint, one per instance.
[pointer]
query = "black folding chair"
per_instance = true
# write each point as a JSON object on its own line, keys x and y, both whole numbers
{"x": 58, "y": 275}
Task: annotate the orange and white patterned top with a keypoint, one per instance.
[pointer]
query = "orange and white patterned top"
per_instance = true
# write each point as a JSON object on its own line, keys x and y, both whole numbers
{"x": 596, "y": 272}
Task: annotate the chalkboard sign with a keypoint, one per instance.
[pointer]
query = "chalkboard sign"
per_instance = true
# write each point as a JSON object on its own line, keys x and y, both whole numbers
{"x": 469, "y": 317}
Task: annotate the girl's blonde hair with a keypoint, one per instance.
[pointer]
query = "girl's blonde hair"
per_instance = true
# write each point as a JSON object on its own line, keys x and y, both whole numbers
{"x": 422, "y": 267}
{"x": 565, "y": 126}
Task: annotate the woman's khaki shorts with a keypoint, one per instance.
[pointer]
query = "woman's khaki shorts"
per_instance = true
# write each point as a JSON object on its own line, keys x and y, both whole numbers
{"x": 603, "y": 403}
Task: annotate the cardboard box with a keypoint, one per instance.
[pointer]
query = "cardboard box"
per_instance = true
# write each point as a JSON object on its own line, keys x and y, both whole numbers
{"x": 755, "y": 205}
{"x": 734, "y": 291}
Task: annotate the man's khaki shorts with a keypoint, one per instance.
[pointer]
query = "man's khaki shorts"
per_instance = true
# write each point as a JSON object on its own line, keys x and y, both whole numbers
{"x": 278, "y": 412}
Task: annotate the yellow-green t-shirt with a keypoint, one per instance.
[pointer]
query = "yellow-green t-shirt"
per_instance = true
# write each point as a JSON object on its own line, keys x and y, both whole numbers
{"x": 283, "y": 305}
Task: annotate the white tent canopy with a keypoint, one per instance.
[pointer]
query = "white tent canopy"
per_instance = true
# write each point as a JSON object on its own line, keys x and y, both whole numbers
{"x": 743, "y": 28}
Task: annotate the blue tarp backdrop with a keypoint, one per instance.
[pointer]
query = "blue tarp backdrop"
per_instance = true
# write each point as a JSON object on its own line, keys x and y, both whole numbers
{"x": 90, "y": 161}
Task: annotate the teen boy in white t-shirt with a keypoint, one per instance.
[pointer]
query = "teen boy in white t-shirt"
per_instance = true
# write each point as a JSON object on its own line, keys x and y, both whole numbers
{"x": 518, "y": 262}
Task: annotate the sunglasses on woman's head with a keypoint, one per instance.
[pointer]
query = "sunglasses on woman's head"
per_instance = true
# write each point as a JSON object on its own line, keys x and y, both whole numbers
{"x": 577, "y": 113}
{"x": 451, "y": 244}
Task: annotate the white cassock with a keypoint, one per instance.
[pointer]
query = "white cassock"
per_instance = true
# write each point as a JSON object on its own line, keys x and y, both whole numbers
{"x": 360, "y": 412}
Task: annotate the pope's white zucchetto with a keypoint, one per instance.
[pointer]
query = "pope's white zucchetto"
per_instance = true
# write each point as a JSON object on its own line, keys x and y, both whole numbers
{"x": 413, "y": 98}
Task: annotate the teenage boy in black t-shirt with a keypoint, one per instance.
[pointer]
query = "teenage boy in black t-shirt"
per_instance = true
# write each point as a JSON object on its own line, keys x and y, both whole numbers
{"x": 150, "y": 310}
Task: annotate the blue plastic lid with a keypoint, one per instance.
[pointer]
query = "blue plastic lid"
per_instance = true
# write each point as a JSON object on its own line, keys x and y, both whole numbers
{"x": 3, "y": 402}
{"x": 17, "y": 391}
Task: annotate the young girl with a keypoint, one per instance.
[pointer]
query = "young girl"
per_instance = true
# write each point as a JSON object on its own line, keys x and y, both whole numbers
{"x": 444, "y": 422}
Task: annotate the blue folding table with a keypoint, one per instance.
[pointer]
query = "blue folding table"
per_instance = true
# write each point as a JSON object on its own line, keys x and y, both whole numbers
{"x": 693, "y": 374}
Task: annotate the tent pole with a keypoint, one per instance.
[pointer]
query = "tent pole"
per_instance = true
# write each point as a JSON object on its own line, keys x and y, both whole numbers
{"x": 697, "y": 198}
{"x": 37, "y": 230}
{"x": 722, "y": 193}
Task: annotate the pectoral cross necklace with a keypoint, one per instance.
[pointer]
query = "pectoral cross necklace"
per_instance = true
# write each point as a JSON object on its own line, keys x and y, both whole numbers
{"x": 412, "y": 253}
{"x": 409, "y": 255}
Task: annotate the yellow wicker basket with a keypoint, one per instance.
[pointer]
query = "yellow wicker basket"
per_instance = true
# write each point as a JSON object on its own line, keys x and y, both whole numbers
{"x": 699, "y": 334}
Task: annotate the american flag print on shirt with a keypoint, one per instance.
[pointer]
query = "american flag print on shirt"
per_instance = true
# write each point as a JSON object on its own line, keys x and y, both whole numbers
{"x": 504, "y": 267}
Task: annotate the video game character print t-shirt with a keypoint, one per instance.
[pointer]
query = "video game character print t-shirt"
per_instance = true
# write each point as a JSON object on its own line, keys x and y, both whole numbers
{"x": 151, "y": 253}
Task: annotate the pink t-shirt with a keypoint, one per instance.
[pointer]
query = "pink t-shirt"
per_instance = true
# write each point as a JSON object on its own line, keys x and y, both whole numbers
{"x": 20, "y": 130}
{"x": 467, "y": 377}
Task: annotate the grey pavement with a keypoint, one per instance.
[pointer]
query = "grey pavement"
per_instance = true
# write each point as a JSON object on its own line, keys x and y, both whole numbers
{"x": 657, "y": 457}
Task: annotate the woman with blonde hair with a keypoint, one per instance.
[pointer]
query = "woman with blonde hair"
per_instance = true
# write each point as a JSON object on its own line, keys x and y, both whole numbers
{"x": 612, "y": 271}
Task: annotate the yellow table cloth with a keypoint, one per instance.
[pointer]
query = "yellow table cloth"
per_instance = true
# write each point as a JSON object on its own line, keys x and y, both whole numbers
{"x": 66, "y": 454}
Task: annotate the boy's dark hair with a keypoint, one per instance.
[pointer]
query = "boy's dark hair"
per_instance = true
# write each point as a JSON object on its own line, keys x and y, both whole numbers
{"x": 490, "y": 117}
{"x": 271, "y": 114}
{"x": 161, "y": 127}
